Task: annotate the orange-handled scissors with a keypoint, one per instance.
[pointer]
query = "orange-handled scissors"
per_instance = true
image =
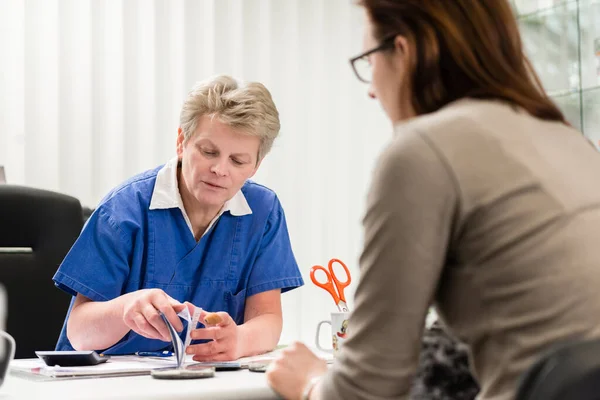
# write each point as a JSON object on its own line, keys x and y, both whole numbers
{"x": 336, "y": 292}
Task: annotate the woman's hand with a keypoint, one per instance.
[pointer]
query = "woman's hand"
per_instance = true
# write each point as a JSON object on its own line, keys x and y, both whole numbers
{"x": 225, "y": 344}
{"x": 289, "y": 374}
{"x": 140, "y": 313}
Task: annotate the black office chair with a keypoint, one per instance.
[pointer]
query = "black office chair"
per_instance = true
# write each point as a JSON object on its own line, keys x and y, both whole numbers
{"x": 570, "y": 372}
{"x": 48, "y": 223}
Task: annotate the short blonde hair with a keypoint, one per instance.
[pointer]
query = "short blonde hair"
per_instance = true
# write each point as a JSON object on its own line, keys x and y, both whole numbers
{"x": 246, "y": 106}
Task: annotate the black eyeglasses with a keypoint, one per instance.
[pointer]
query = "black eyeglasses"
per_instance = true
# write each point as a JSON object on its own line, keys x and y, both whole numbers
{"x": 361, "y": 65}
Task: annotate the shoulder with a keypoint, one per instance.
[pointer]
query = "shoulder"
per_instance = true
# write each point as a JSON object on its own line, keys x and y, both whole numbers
{"x": 410, "y": 158}
{"x": 465, "y": 124}
{"x": 414, "y": 163}
{"x": 466, "y": 111}
{"x": 465, "y": 132}
{"x": 259, "y": 196}
{"x": 132, "y": 195}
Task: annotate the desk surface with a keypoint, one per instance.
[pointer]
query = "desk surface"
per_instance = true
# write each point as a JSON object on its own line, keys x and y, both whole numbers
{"x": 241, "y": 384}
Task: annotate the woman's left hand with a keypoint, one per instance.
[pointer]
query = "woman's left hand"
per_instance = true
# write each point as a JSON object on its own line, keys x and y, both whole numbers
{"x": 289, "y": 374}
{"x": 225, "y": 344}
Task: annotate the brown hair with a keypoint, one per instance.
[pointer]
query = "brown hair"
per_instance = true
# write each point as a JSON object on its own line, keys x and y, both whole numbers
{"x": 463, "y": 48}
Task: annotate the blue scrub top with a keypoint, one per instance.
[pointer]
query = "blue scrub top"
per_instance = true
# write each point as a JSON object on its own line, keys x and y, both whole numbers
{"x": 125, "y": 247}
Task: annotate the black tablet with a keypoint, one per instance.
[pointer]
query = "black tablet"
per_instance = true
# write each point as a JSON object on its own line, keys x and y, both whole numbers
{"x": 71, "y": 358}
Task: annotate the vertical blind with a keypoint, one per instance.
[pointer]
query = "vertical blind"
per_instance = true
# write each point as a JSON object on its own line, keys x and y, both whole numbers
{"x": 90, "y": 93}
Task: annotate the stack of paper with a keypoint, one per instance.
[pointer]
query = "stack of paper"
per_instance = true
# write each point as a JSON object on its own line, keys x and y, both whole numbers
{"x": 116, "y": 366}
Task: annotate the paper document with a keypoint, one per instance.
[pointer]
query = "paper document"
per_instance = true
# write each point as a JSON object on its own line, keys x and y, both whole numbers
{"x": 116, "y": 366}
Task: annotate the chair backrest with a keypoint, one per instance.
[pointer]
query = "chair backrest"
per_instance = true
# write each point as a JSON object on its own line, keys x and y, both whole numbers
{"x": 571, "y": 371}
{"x": 48, "y": 223}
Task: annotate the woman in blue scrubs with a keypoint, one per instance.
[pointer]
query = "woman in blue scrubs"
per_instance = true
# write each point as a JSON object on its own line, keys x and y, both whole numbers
{"x": 194, "y": 230}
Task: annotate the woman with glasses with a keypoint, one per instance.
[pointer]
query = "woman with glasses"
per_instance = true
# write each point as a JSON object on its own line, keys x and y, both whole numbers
{"x": 485, "y": 203}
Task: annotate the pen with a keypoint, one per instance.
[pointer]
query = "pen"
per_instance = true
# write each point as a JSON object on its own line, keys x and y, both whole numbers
{"x": 165, "y": 353}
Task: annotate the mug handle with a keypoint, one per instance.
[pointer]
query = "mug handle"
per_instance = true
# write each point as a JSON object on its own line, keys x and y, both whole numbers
{"x": 10, "y": 354}
{"x": 317, "y": 337}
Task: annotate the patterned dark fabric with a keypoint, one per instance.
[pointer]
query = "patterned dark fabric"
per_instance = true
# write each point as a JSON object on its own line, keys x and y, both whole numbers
{"x": 443, "y": 372}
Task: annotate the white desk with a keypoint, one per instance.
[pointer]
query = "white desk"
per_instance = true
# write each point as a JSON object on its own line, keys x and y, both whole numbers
{"x": 241, "y": 384}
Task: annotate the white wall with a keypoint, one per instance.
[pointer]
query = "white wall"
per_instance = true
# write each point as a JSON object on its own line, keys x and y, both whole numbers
{"x": 90, "y": 92}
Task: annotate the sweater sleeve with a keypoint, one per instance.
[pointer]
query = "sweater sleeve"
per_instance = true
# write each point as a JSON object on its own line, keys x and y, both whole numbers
{"x": 407, "y": 227}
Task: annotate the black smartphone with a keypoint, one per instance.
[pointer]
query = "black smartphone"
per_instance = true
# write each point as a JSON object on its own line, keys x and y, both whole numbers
{"x": 71, "y": 358}
{"x": 219, "y": 365}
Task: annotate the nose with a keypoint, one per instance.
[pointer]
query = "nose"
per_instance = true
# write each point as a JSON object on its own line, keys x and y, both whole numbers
{"x": 220, "y": 168}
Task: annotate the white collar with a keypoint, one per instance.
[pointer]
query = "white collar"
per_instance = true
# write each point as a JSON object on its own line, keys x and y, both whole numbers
{"x": 166, "y": 195}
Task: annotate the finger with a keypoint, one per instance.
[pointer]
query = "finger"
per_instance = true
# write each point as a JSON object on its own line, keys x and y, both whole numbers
{"x": 225, "y": 319}
{"x": 283, "y": 360}
{"x": 191, "y": 307}
{"x": 202, "y": 316}
{"x": 275, "y": 364}
{"x": 220, "y": 318}
{"x": 143, "y": 328}
{"x": 154, "y": 319}
{"x": 178, "y": 307}
{"x": 211, "y": 319}
{"x": 209, "y": 349}
{"x": 165, "y": 305}
{"x": 273, "y": 375}
{"x": 296, "y": 347}
{"x": 214, "y": 333}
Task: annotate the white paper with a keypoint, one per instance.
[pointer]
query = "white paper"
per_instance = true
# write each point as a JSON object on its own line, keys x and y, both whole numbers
{"x": 117, "y": 365}
{"x": 192, "y": 324}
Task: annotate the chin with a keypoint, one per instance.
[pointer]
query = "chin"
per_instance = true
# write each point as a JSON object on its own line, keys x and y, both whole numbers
{"x": 210, "y": 200}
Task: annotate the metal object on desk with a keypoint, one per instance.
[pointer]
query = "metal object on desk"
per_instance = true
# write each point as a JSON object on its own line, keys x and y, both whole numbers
{"x": 333, "y": 285}
{"x": 187, "y": 372}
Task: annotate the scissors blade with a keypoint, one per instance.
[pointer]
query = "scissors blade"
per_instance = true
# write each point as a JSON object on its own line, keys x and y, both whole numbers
{"x": 342, "y": 306}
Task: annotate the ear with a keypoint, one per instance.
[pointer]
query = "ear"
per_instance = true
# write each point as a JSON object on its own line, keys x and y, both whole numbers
{"x": 401, "y": 44}
{"x": 180, "y": 140}
{"x": 402, "y": 53}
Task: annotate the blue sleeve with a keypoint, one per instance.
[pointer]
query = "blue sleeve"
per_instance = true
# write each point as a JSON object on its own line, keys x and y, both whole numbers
{"x": 97, "y": 265}
{"x": 275, "y": 266}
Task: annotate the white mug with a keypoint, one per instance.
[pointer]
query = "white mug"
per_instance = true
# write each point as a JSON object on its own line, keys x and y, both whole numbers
{"x": 339, "y": 331}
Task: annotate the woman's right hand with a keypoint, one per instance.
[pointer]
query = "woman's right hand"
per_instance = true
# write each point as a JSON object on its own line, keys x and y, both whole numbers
{"x": 140, "y": 313}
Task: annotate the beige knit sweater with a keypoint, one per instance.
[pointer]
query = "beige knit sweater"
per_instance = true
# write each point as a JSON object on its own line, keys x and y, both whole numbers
{"x": 493, "y": 215}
